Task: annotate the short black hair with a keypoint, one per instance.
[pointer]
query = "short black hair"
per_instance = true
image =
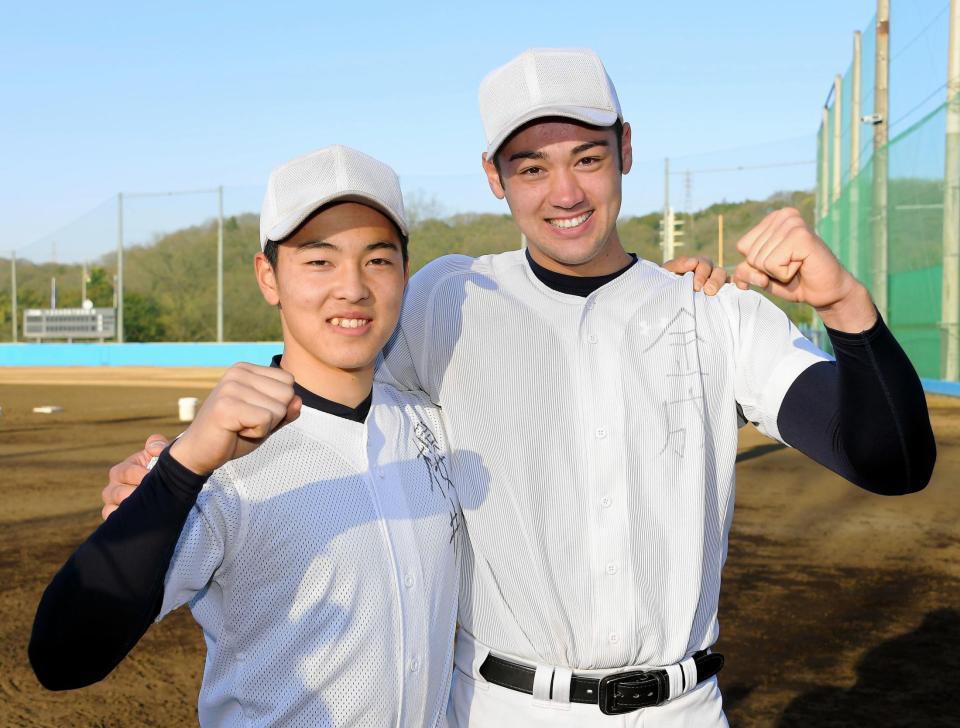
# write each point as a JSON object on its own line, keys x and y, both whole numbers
{"x": 617, "y": 127}
{"x": 270, "y": 249}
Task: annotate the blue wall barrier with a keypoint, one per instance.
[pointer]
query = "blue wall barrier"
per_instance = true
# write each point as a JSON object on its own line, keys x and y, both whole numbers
{"x": 199, "y": 354}
{"x": 937, "y": 386}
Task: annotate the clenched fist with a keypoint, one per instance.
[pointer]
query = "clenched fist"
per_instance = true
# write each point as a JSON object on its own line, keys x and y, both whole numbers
{"x": 786, "y": 258}
{"x": 247, "y": 405}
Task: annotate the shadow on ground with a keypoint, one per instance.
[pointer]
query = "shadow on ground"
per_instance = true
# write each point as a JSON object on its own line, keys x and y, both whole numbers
{"x": 909, "y": 680}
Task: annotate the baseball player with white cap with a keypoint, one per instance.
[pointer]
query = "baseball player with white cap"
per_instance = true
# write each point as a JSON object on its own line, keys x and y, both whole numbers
{"x": 322, "y": 562}
{"x": 602, "y": 398}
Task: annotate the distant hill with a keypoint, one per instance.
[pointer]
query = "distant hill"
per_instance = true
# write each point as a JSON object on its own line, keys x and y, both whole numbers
{"x": 170, "y": 285}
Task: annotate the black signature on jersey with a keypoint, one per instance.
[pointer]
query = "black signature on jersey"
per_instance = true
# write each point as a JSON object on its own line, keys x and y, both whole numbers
{"x": 439, "y": 472}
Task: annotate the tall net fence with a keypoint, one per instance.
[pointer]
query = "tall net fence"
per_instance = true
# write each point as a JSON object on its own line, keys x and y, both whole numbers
{"x": 155, "y": 257}
{"x": 881, "y": 191}
{"x": 158, "y": 253}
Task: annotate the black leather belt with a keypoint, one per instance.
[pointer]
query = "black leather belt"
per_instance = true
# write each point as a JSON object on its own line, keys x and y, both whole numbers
{"x": 619, "y": 692}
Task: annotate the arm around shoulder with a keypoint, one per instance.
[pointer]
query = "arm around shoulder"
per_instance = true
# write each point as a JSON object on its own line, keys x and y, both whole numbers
{"x": 109, "y": 591}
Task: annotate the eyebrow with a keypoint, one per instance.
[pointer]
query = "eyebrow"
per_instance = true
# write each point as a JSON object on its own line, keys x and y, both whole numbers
{"x": 576, "y": 150}
{"x": 324, "y": 245}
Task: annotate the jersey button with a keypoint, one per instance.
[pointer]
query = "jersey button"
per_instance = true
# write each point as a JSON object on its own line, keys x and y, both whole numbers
{"x": 380, "y": 473}
{"x": 601, "y": 433}
{"x": 408, "y": 581}
{"x": 611, "y": 568}
{"x": 592, "y": 338}
{"x": 606, "y": 501}
{"x": 414, "y": 665}
{"x": 613, "y": 637}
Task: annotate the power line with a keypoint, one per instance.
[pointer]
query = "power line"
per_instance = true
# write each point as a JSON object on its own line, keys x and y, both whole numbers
{"x": 744, "y": 167}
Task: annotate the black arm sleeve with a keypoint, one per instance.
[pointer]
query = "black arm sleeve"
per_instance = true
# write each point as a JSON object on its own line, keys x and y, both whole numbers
{"x": 110, "y": 590}
{"x": 863, "y": 416}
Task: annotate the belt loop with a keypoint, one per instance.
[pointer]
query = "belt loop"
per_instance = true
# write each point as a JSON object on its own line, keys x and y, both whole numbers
{"x": 677, "y": 684}
{"x": 542, "y": 682}
{"x": 561, "y": 685}
{"x": 691, "y": 678}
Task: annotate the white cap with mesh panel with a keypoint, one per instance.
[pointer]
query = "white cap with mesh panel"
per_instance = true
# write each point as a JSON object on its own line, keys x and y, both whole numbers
{"x": 568, "y": 82}
{"x": 303, "y": 185}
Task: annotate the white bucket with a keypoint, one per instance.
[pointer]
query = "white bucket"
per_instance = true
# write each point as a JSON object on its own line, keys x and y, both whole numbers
{"x": 188, "y": 408}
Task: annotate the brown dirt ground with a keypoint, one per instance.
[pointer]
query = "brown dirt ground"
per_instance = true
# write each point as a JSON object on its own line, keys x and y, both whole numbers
{"x": 839, "y": 608}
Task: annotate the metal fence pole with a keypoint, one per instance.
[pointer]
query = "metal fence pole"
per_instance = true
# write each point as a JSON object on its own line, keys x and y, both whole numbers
{"x": 835, "y": 182}
{"x": 220, "y": 263}
{"x": 13, "y": 293}
{"x": 881, "y": 110}
{"x": 119, "y": 290}
{"x": 853, "y": 262}
{"x": 950, "y": 312}
{"x": 824, "y": 187}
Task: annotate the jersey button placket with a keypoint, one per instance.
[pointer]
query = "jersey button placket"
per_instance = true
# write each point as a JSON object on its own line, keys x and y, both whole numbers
{"x": 603, "y": 367}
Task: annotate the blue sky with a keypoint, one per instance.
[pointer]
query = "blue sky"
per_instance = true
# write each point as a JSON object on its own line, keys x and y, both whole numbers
{"x": 103, "y": 97}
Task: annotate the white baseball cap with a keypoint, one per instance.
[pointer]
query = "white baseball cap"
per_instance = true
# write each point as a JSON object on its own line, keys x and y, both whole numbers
{"x": 303, "y": 185}
{"x": 568, "y": 82}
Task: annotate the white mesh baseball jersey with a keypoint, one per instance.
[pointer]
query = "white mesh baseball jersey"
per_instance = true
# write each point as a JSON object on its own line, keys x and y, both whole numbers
{"x": 323, "y": 569}
{"x": 604, "y": 429}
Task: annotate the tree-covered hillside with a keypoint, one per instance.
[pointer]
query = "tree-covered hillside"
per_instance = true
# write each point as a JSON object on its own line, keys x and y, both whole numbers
{"x": 170, "y": 285}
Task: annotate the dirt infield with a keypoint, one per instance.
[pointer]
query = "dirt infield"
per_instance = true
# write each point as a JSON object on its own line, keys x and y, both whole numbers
{"x": 839, "y": 608}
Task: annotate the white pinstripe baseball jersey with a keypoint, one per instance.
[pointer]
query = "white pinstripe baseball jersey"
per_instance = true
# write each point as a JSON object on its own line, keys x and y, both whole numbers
{"x": 323, "y": 569}
{"x": 606, "y": 428}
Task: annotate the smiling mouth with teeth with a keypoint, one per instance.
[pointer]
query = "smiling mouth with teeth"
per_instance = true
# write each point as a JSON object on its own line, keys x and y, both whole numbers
{"x": 570, "y": 222}
{"x": 345, "y": 323}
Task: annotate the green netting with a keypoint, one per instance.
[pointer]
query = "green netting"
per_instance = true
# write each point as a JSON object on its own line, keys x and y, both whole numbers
{"x": 914, "y": 227}
{"x": 854, "y": 225}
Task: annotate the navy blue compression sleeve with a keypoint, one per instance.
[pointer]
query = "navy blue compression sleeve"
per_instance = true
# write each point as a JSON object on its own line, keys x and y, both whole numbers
{"x": 864, "y": 416}
{"x": 109, "y": 592}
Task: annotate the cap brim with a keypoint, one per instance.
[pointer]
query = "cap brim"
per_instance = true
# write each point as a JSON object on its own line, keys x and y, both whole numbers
{"x": 594, "y": 117}
{"x": 292, "y": 221}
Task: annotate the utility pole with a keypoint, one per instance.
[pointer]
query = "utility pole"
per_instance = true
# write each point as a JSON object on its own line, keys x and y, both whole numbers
{"x": 13, "y": 293}
{"x": 950, "y": 311}
{"x": 667, "y": 223}
{"x": 853, "y": 262}
{"x": 881, "y": 128}
{"x": 220, "y": 263}
{"x": 720, "y": 239}
{"x": 118, "y": 288}
{"x": 83, "y": 283}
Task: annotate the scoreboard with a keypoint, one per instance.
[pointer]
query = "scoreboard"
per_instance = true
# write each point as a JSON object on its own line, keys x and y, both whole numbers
{"x": 70, "y": 323}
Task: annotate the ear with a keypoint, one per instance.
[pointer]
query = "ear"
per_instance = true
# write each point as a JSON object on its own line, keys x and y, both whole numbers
{"x": 493, "y": 177}
{"x": 626, "y": 146}
{"x": 267, "y": 279}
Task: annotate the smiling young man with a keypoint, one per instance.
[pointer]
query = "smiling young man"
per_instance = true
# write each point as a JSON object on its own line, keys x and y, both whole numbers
{"x": 321, "y": 561}
{"x": 603, "y": 398}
